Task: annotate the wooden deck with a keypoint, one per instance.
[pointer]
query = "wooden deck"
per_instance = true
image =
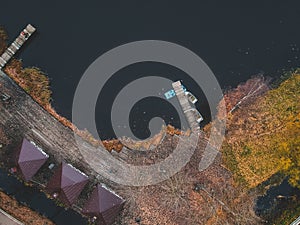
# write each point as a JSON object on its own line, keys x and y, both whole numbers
{"x": 186, "y": 107}
{"x": 16, "y": 45}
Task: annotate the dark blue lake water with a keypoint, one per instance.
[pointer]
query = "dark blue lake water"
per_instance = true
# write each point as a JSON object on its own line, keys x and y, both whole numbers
{"x": 236, "y": 40}
{"x": 277, "y": 199}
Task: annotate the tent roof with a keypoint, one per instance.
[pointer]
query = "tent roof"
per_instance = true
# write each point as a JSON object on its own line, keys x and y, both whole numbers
{"x": 30, "y": 159}
{"x": 30, "y": 152}
{"x": 69, "y": 181}
{"x": 104, "y": 204}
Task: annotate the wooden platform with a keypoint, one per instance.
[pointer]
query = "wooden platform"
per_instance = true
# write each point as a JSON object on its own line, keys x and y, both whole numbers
{"x": 186, "y": 107}
{"x": 16, "y": 45}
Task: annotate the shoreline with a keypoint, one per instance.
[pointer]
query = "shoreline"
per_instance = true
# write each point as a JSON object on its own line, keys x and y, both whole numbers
{"x": 240, "y": 153}
{"x": 162, "y": 144}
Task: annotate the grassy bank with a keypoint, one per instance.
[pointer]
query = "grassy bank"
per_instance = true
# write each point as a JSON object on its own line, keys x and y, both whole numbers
{"x": 263, "y": 136}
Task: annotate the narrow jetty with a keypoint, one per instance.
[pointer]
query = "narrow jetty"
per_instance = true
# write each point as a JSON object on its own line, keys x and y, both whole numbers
{"x": 186, "y": 107}
{"x": 16, "y": 45}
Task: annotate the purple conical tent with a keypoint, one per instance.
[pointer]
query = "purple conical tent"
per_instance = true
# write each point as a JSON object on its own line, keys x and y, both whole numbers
{"x": 30, "y": 159}
{"x": 103, "y": 204}
{"x": 68, "y": 182}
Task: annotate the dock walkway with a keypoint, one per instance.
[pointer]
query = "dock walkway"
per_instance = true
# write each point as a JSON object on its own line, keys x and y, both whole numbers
{"x": 186, "y": 107}
{"x": 16, "y": 45}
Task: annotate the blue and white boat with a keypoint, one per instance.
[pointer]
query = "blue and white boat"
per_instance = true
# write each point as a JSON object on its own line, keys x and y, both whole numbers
{"x": 170, "y": 94}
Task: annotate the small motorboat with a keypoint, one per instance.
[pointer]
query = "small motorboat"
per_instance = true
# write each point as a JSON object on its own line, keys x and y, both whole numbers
{"x": 170, "y": 94}
{"x": 191, "y": 97}
{"x": 198, "y": 116}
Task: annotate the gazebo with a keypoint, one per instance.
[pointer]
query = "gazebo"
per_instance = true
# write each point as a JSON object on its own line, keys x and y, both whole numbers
{"x": 67, "y": 183}
{"x": 30, "y": 158}
{"x": 103, "y": 205}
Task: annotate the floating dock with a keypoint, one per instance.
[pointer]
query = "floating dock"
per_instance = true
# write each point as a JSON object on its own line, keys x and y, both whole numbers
{"x": 16, "y": 45}
{"x": 186, "y": 107}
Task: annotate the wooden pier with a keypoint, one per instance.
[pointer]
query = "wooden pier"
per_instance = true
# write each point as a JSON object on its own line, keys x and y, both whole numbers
{"x": 186, "y": 107}
{"x": 16, "y": 45}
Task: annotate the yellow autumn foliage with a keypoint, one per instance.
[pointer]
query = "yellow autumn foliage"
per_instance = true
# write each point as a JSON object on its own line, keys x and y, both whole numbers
{"x": 263, "y": 138}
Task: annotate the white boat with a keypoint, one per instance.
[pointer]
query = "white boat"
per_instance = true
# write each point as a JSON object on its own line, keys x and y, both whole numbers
{"x": 198, "y": 116}
{"x": 191, "y": 97}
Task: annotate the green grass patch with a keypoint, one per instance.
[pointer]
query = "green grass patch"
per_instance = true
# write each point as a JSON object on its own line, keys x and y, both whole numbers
{"x": 229, "y": 160}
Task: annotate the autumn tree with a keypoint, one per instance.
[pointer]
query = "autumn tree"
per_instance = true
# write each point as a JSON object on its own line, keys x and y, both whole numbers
{"x": 262, "y": 136}
{"x": 288, "y": 139}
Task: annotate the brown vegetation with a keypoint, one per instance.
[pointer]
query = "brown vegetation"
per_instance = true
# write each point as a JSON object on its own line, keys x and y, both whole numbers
{"x": 113, "y": 144}
{"x": 262, "y": 133}
{"x": 22, "y": 213}
{"x": 177, "y": 201}
{"x": 172, "y": 131}
{"x": 246, "y": 92}
{"x": 32, "y": 80}
{"x": 154, "y": 141}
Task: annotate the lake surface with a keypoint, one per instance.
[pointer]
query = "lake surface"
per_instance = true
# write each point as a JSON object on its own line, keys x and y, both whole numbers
{"x": 235, "y": 40}
{"x": 276, "y": 200}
